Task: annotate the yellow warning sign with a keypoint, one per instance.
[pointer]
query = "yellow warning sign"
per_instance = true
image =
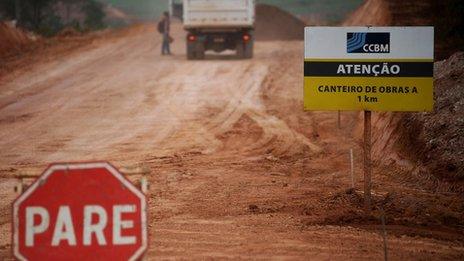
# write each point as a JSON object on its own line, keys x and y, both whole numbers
{"x": 370, "y": 72}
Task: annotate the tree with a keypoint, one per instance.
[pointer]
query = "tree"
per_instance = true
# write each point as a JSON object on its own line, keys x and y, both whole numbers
{"x": 94, "y": 15}
{"x": 33, "y": 12}
{"x": 7, "y": 9}
{"x": 42, "y": 16}
{"x": 17, "y": 10}
{"x": 69, "y": 5}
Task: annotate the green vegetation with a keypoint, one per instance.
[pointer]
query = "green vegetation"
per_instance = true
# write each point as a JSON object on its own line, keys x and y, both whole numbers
{"x": 44, "y": 17}
{"x": 35, "y": 15}
{"x": 41, "y": 15}
{"x": 94, "y": 15}
{"x": 331, "y": 11}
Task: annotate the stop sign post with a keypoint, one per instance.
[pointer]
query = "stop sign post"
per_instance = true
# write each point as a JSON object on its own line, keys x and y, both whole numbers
{"x": 81, "y": 211}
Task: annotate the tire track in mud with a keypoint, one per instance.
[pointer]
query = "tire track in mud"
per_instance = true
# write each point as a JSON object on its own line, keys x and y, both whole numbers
{"x": 234, "y": 96}
{"x": 245, "y": 101}
{"x": 100, "y": 88}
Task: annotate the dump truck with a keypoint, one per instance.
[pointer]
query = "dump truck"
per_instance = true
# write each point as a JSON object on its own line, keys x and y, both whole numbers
{"x": 219, "y": 25}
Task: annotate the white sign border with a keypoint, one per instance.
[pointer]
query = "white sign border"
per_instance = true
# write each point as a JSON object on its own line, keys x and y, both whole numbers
{"x": 66, "y": 166}
{"x": 404, "y": 42}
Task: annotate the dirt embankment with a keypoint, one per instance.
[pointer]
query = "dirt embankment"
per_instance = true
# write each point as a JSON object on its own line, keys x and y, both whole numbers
{"x": 392, "y": 12}
{"x": 437, "y": 138}
{"x": 273, "y": 23}
{"x": 18, "y": 59}
{"x": 14, "y": 40}
{"x": 372, "y": 12}
{"x": 427, "y": 146}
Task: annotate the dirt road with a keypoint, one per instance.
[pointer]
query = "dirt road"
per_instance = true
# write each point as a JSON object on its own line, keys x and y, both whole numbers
{"x": 237, "y": 169}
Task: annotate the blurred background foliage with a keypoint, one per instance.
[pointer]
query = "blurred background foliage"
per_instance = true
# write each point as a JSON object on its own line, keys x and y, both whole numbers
{"x": 48, "y": 17}
{"x": 331, "y": 11}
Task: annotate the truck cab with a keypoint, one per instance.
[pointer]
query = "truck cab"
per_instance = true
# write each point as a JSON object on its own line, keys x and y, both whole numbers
{"x": 219, "y": 25}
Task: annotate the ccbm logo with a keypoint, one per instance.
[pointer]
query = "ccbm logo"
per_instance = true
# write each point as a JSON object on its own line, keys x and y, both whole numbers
{"x": 368, "y": 42}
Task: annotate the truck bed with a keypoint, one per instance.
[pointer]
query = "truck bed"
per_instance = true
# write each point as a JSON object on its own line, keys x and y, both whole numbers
{"x": 218, "y": 14}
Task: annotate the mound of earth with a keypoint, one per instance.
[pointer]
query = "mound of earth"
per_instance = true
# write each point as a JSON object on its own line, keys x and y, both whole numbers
{"x": 68, "y": 32}
{"x": 115, "y": 17}
{"x": 13, "y": 39}
{"x": 372, "y": 12}
{"x": 273, "y": 23}
{"x": 429, "y": 145}
{"x": 437, "y": 138}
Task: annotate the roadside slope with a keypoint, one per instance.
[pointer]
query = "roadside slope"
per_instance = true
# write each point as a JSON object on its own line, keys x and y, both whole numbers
{"x": 371, "y": 13}
{"x": 416, "y": 142}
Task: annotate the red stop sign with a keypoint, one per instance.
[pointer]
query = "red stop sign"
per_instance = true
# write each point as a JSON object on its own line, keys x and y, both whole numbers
{"x": 85, "y": 211}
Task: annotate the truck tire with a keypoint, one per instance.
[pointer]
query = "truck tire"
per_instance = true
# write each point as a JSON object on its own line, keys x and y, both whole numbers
{"x": 191, "y": 51}
{"x": 200, "y": 51}
{"x": 240, "y": 50}
{"x": 248, "y": 52}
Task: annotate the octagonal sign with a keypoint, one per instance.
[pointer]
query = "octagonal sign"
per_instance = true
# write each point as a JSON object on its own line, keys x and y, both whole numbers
{"x": 84, "y": 211}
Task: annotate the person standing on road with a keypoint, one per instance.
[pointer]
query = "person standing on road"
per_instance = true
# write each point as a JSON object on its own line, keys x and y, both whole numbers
{"x": 163, "y": 28}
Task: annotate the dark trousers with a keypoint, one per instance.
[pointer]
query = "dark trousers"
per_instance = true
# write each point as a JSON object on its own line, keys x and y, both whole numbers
{"x": 165, "y": 45}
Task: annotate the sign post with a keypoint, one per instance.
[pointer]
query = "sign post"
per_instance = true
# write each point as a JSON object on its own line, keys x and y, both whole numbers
{"x": 80, "y": 212}
{"x": 367, "y": 160}
{"x": 368, "y": 69}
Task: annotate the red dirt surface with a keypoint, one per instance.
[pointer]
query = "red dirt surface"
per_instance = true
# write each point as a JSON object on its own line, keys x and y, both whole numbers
{"x": 14, "y": 40}
{"x": 237, "y": 169}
